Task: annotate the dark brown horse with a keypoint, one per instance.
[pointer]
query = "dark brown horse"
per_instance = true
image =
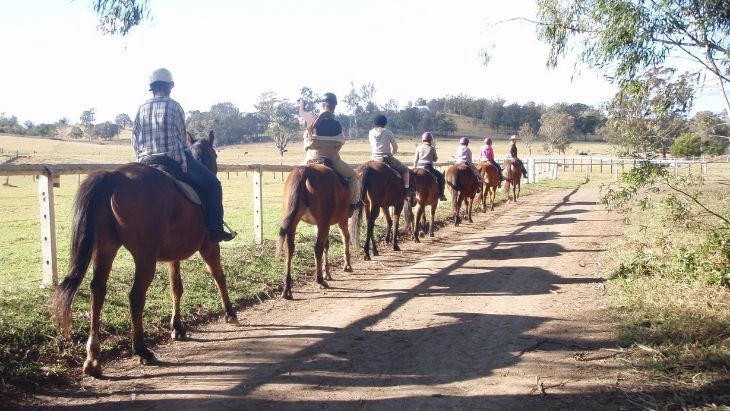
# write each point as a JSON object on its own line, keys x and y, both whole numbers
{"x": 427, "y": 194}
{"x": 315, "y": 195}
{"x": 512, "y": 177}
{"x": 140, "y": 208}
{"x": 490, "y": 176}
{"x": 381, "y": 188}
{"x": 464, "y": 186}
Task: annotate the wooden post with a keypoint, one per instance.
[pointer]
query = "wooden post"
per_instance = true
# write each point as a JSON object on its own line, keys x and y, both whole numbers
{"x": 48, "y": 229}
{"x": 600, "y": 166}
{"x": 258, "y": 207}
{"x": 704, "y": 168}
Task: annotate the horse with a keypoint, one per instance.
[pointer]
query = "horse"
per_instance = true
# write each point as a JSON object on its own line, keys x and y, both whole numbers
{"x": 464, "y": 186}
{"x": 381, "y": 188}
{"x": 427, "y": 194}
{"x": 140, "y": 208}
{"x": 316, "y": 195}
{"x": 490, "y": 175}
{"x": 512, "y": 178}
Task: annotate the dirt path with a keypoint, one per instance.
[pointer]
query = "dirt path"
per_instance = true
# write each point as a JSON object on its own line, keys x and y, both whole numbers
{"x": 506, "y": 312}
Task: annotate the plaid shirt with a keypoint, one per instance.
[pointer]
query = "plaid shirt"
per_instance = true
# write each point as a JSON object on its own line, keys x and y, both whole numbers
{"x": 159, "y": 128}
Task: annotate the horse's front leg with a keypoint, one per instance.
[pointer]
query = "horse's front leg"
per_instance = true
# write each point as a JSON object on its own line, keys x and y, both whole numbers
{"x": 176, "y": 291}
{"x": 319, "y": 251}
{"x": 388, "y": 224}
{"x": 345, "y": 233}
{"x": 433, "y": 218}
{"x": 211, "y": 253}
{"x": 396, "y": 217}
{"x": 469, "y": 205}
{"x": 326, "y": 262}
{"x": 288, "y": 242}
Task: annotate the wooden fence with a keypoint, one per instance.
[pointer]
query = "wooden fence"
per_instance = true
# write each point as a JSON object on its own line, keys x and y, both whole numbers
{"x": 538, "y": 169}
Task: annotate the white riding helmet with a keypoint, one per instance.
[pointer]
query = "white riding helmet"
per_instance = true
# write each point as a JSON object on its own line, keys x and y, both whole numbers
{"x": 161, "y": 74}
{"x": 513, "y": 137}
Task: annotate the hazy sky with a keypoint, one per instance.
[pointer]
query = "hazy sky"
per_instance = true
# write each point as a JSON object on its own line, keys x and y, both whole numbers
{"x": 56, "y": 63}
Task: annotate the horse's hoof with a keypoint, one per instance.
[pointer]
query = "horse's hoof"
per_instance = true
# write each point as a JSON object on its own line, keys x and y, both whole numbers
{"x": 231, "y": 319}
{"x": 396, "y": 247}
{"x": 148, "y": 358}
{"x": 323, "y": 284}
{"x": 92, "y": 368}
{"x": 415, "y": 238}
{"x": 366, "y": 258}
{"x": 375, "y": 253}
{"x": 178, "y": 335}
{"x": 287, "y": 295}
{"x": 347, "y": 268}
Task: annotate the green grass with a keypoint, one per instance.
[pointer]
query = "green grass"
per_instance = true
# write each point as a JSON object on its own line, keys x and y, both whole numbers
{"x": 668, "y": 292}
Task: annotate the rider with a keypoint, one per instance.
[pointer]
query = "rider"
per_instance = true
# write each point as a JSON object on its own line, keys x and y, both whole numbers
{"x": 487, "y": 154}
{"x": 159, "y": 129}
{"x": 323, "y": 139}
{"x": 384, "y": 147}
{"x": 463, "y": 155}
{"x": 425, "y": 157}
{"x": 512, "y": 156}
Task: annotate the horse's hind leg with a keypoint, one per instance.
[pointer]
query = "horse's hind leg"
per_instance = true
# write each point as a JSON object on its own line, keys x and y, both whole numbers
{"x": 345, "y": 233}
{"x": 176, "y": 291}
{"x": 326, "y": 259}
{"x": 433, "y": 218}
{"x": 289, "y": 244}
{"x": 143, "y": 275}
{"x": 323, "y": 232}
{"x": 102, "y": 267}
{"x": 211, "y": 253}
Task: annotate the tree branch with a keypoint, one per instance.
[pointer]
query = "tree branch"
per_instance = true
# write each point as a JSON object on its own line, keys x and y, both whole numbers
{"x": 693, "y": 198}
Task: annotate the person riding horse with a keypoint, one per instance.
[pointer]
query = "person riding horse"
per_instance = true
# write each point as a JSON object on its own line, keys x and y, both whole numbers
{"x": 463, "y": 155}
{"x": 383, "y": 148}
{"x": 159, "y": 130}
{"x": 424, "y": 158}
{"x": 487, "y": 154}
{"x": 323, "y": 140}
{"x": 512, "y": 155}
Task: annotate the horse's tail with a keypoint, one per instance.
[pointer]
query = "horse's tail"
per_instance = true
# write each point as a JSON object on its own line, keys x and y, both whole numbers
{"x": 93, "y": 195}
{"x": 295, "y": 191}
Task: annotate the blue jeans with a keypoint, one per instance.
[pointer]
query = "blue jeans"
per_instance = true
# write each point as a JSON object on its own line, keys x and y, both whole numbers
{"x": 208, "y": 186}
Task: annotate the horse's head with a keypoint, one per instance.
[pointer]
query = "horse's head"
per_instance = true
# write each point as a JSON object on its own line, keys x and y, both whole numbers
{"x": 204, "y": 152}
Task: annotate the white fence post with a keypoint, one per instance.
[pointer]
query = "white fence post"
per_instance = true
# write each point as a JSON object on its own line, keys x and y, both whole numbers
{"x": 48, "y": 229}
{"x": 531, "y": 171}
{"x": 258, "y": 207}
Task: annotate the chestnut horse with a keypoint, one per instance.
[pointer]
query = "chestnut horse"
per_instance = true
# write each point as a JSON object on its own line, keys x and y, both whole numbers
{"x": 314, "y": 194}
{"x": 140, "y": 208}
{"x": 490, "y": 175}
{"x": 381, "y": 188}
{"x": 464, "y": 186}
{"x": 427, "y": 194}
{"x": 512, "y": 177}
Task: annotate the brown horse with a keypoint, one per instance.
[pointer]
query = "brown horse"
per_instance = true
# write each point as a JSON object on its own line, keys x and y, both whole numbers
{"x": 140, "y": 208}
{"x": 464, "y": 186}
{"x": 314, "y": 194}
{"x": 512, "y": 177}
{"x": 490, "y": 175}
{"x": 427, "y": 194}
{"x": 381, "y": 188}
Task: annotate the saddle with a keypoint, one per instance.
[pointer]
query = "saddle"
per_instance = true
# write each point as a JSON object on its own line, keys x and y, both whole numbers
{"x": 385, "y": 161}
{"x": 173, "y": 170}
{"x": 329, "y": 164}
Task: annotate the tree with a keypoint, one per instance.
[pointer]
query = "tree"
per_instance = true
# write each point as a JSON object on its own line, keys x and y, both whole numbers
{"x": 687, "y": 145}
{"x": 47, "y": 130}
{"x": 352, "y": 101}
{"x": 75, "y": 133}
{"x": 556, "y": 126}
{"x": 625, "y": 38}
{"x": 648, "y": 114}
{"x": 87, "y": 119}
{"x": 367, "y": 91}
{"x": 119, "y": 16}
{"x": 105, "y": 131}
{"x": 122, "y": 120}
{"x": 528, "y": 136}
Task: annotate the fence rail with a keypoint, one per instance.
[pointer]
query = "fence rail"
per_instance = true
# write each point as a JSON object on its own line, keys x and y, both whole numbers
{"x": 538, "y": 169}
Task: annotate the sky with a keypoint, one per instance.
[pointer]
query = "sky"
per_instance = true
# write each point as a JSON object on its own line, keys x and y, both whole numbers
{"x": 57, "y": 63}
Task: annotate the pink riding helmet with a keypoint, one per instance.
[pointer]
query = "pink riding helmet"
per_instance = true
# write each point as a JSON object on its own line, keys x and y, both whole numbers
{"x": 464, "y": 141}
{"x": 427, "y": 137}
{"x": 488, "y": 141}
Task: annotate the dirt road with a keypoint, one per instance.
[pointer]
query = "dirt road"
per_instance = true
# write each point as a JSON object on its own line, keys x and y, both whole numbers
{"x": 506, "y": 312}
